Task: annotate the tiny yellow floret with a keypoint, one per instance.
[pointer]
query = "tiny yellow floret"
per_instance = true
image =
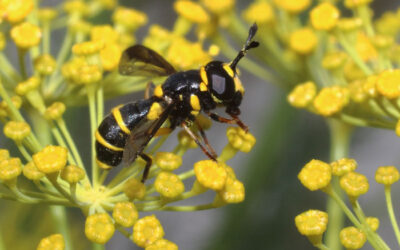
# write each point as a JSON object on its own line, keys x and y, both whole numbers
{"x": 302, "y": 95}
{"x": 125, "y": 214}
{"x": 129, "y": 19}
{"x": 162, "y": 244}
{"x": 239, "y": 139}
{"x": 99, "y": 228}
{"x": 210, "y": 174}
{"x": 233, "y": 191}
{"x": 388, "y": 83}
{"x": 293, "y": 6}
{"x": 104, "y": 33}
{"x": 26, "y": 35}
{"x": 315, "y": 175}
{"x": 168, "y": 161}
{"x": 15, "y": 11}
{"x": 334, "y": 60}
{"x": 387, "y": 175}
{"x": 352, "y": 238}
{"x": 87, "y": 48}
{"x": 31, "y": 172}
{"x": 10, "y": 169}
{"x": 191, "y": 11}
{"x": 4, "y": 154}
{"x": 51, "y": 159}
{"x": 169, "y": 185}
{"x": 76, "y": 8}
{"x": 46, "y": 15}
{"x": 110, "y": 56}
{"x": 147, "y": 231}
{"x": 331, "y": 100}
{"x": 349, "y": 24}
{"x": 72, "y": 174}
{"x": 303, "y": 41}
{"x": 373, "y": 223}
{"x": 52, "y": 242}
{"x": 324, "y": 16}
{"x": 134, "y": 189}
{"x": 17, "y": 130}
{"x": 218, "y": 7}
{"x": 365, "y": 48}
{"x": 354, "y": 184}
{"x": 45, "y": 64}
{"x": 343, "y": 166}
{"x": 356, "y": 3}
{"x": 88, "y": 74}
{"x": 25, "y": 87}
{"x": 311, "y": 222}
{"x": 356, "y": 90}
{"x": 55, "y": 111}
{"x": 260, "y": 12}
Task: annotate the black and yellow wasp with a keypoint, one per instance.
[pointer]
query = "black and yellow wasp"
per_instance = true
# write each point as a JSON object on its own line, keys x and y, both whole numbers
{"x": 123, "y": 134}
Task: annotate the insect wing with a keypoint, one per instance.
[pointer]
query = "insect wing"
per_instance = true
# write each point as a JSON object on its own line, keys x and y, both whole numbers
{"x": 141, "y": 135}
{"x": 139, "y": 60}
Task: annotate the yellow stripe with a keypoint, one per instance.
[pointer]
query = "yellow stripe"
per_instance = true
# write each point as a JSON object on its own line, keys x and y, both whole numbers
{"x": 195, "y": 102}
{"x": 203, "y": 75}
{"x": 158, "y": 91}
{"x": 103, "y": 142}
{"x": 203, "y": 87}
{"x": 103, "y": 165}
{"x": 117, "y": 116}
{"x": 228, "y": 70}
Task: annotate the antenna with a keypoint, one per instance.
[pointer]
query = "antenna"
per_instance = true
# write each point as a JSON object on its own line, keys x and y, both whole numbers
{"x": 248, "y": 45}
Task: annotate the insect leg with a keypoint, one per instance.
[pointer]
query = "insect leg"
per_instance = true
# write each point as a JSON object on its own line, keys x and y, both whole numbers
{"x": 235, "y": 120}
{"x": 196, "y": 139}
{"x": 146, "y": 171}
{"x": 203, "y": 135}
{"x": 149, "y": 90}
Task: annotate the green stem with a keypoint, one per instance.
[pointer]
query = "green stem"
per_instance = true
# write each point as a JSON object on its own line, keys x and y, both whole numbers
{"x": 22, "y": 68}
{"x": 100, "y": 103}
{"x": 23, "y": 151}
{"x": 340, "y": 137}
{"x": 93, "y": 126}
{"x": 46, "y": 38}
{"x": 60, "y": 218}
{"x": 392, "y": 217}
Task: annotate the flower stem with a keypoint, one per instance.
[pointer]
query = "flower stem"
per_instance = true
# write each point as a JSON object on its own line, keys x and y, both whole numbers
{"x": 392, "y": 217}
{"x": 22, "y": 67}
{"x": 93, "y": 125}
{"x": 61, "y": 222}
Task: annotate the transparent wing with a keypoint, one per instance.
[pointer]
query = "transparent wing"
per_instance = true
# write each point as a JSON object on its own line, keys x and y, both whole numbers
{"x": 141, "y": 135}
{"x": 139, "y": 60}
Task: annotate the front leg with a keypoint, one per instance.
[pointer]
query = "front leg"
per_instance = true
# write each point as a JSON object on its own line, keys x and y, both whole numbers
{"x": 235, "y": 120}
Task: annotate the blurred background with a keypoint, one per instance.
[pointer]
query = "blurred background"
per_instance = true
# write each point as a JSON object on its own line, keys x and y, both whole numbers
{"x": 286, "y": 140}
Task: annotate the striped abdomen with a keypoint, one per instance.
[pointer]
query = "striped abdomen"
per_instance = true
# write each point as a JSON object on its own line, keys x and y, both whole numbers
{"x": 114, "y": 130}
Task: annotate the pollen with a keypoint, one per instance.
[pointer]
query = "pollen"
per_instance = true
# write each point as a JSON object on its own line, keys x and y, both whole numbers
{"x": 45, "y": 64}
{"x": 169, "y": 185}
{"x": 134, "y": 189}
{"x": 129, "y": 19}
{"x": 52, "y": 242}
{"x": 125, "y": 214}
{"x": 311, "y": 222}
{"x": 87, "y": 48}
{"x": 110, "y": 55}
{"x": 51, "y": 159}
{"x": 315, "y": 175}
{"x": 239, "y": 139}
{"x": 356, "y": 3}
{"x": 334, "y": 60}
{"x": 352, "y": 238}
{"x": 25, "y": 87}
{"x": 331, "y": 100}
{"x": 17, "y": 10}
{"x": 233, "y": 191}
{"x": 293, "y": 6}
{"x": 88, "y": 74}
{"x": 72, "y": 174}
{"x": 324, "y": 16}
{"x": 16, "y": 130}
{"x": 99, "y": 228}
{"x": 373, "y": 223}
{"x": 302, "y": 95}
{"x": 387, "y": 175}
{"x": 218, "y": 7}
{"x": 191, "y": 11}
{"x": 303, "y": 41}
{"x": 354, "y": 184}
{"x": 162, "y": 244}
{"x": 31, "y": 172}
{"x": 26, "y": 35}
{"x": 147, "y": 231}
{"x": 388, "y": 83}
{"x": 343, "y": 166}
{"x": 210, "y": 174}
{"x": 168, "y": 161}
{"x": 185, "y": 140}
{"x": 260, "y": 12}
{"x": 55, "y": 111}
{"x": 10, "y": 169}
{"x": 155, "y": 111}
{"x": 104, "y": 33}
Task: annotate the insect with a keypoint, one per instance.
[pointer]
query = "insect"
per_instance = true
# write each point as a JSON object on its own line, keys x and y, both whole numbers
{"x": 126, "y": 131}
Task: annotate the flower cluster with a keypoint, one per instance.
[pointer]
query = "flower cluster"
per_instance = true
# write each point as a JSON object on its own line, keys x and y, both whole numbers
{"x": 35, "y": 97}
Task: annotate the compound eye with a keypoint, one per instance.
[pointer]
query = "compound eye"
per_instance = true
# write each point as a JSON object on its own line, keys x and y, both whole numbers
{"x": 218, "y": 84}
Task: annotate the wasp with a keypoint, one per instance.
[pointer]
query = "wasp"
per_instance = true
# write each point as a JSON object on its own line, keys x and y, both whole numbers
{"x": 123, "y": 134}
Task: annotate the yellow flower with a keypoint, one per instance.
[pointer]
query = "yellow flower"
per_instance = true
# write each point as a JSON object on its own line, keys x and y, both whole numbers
{"x": 352, "y": 238}
{"x": 76, "y": 7}
{"x": 324, "y": 16}
{"x": 72, "y": 174}
{"x": 46, "y": 15}
{"x": 382, "y": 42}
{"x": 218, "y": 7}
{"x": 343, "y": 166}
{"x": 52, "y": 242}
{"x": 129, "y": 19}
{"x": 168, "y": 161}
{"x": 99, "y": 228}
{"x": 233, "y": 191}
{"x": 331, "y": 100}
{"x": 70, "y": 70}
{"x": 104, "y": 33}
{"x": 31, "y": 172}
{"x": 55, "y": 111}
{"x": 357, "y": 93}
{"x": 259, "y": 12}
{"x": 349, "y": 24}
{"x": 293, "y": 6}
{"x": 388, "y": 24}
{"x": 110, "y": 56}
{"x": 26, "y": 35}
{"x": 162, "y": 244}
{"x": 16, "y": 10}
{"x": 210, "y": 174}
{"x": 373, "y": 223}
{"x": 17, "y": 131}
{"x": 354, "y": 184}
{"x": 4, "y": 154}
{"x": 45, "y": 64}
{"x": 88, "y": 74}
{"x": 369, "y": 86}
{"x": 302, "y": 95}
{"x": 191, "y": 11}
{"x": 25, "y": 87}
{"x": 352, "y": 71}
{"x": 147, "y": 231}
{"x": 311, "y": 222}
{"x": 87, "y": 48}
{"x": 365, "y": 48}
{"x": 239, "y": 139}
{"x": 185, "y": 140}
{"x": 303, "y": 41}
{"x": 51, "y": 159}
{"x": 388, "y": 83}
{"x": 315, "y": 175}
{"x": 186, "y": 55}
{"x": 134, "y": 189}
{"x": 355, "y": 3}
{"x": 387, "y": 175}
{"x": 169, "y": 185}
{"x": 10, "y": 169}
{"x": 125, "y": 214}
{"x": 334, "y": 60}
